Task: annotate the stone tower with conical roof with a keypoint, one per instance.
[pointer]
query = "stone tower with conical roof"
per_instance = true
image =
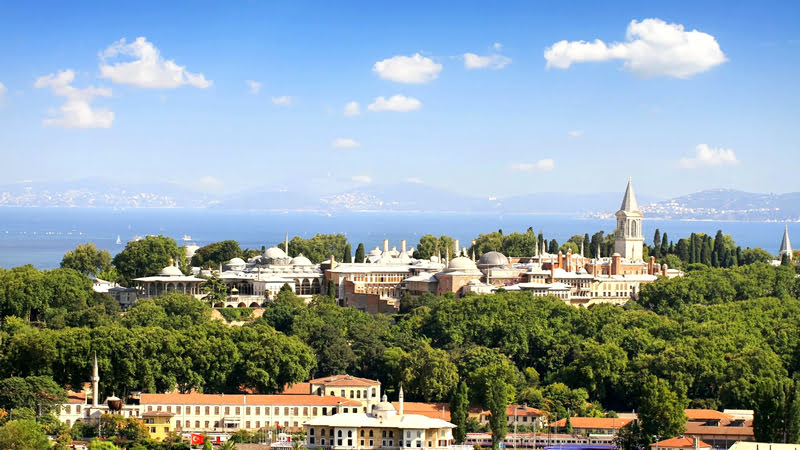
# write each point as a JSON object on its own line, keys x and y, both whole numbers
{"x": 628, "y": 238}
{"x": 786, "y": 245}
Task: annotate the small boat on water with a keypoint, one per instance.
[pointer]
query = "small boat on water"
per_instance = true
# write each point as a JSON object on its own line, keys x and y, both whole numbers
{"x": 119, "y": 241}
{"x": 186, "y": 238}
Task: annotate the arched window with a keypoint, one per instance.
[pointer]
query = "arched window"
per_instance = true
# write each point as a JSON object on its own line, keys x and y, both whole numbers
{"x": 339, "y": 433}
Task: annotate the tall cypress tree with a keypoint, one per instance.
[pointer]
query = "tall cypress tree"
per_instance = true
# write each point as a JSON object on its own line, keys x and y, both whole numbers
{"x": 664, "y": 245}
{"x": 496, "y": 403}
{"x": 360, "y": 252}
{"x": 459, "y": 410}
{"x": 657, "y": 243}
{"x": 347, "y": 254}
{"x": 553, "y": 247}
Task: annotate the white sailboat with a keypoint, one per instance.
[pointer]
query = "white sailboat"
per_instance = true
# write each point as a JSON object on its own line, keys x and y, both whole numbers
{"x": 119, "y": 241}
{"x": 186, "y": 238}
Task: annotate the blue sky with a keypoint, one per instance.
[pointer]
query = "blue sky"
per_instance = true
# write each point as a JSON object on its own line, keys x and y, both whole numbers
{"x": 679, "y": 111}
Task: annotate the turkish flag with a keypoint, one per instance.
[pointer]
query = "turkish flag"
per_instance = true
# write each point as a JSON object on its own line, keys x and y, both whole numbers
{"x": 197, "y": 439}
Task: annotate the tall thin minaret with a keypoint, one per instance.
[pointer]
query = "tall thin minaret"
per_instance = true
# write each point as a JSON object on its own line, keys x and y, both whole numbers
{"x": 628, "y": 237}
{"x": 400, "y": 399}
{"x": 95, "y": 383}
{"x": 786, "y": 244}
{"x": 286, "y": 244}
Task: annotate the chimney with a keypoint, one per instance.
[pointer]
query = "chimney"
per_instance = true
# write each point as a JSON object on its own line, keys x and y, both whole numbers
{"x": 333, "y": 261}
{"x": 616, "y": 259}
{"x": 95, "y": 383}
{"x": 664, "y": 269}
{"x": 457, "y": 247}
{"x": 651, "y": 266}
{"x": 385, "y": 246}
{"x": 403, "y": 245}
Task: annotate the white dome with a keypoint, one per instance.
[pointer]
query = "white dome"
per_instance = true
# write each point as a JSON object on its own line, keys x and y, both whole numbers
{"x": 301, "y": 260}
{"x": 462, "y": 263}
{"x": 171, "y": 271}
{"x": 375, "y": 252}
{"x": 274, "y": 253}
{"x": 236, "y": 262}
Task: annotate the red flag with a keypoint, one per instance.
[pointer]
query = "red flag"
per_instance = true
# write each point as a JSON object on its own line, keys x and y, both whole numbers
{"x": 197, "y": 439}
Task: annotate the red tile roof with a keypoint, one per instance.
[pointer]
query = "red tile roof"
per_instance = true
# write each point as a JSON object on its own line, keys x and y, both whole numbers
{"x": 706, "y": 414}
{"x": 344, "y": 380}
{"x": 432, "y": 410}
{"x": 522, "y": 410}
{"x": 680, "y": 442}
{"x": 239, "y": 399}
{"x": 76, "y": 397}
{"x": 297, "y": 388}
{"x": 596, "y": 423}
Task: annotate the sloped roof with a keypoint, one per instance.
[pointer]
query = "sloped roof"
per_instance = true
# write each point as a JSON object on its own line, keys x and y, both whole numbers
{"x": 344, "y": 380}
{"x": 680, "y": 442}
{"x": 297, "y": 389}
{"x": 629, "y": 200}
{"x": 593, "y": 422}
{"x": 432, "y": 410}
{"x": 240, "y": 399}
{"x": 786, "y": 244}
{"x": 705, "y": 414}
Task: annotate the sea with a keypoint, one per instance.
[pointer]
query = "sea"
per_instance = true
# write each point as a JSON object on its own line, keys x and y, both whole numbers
{"x": 41, "y": 236}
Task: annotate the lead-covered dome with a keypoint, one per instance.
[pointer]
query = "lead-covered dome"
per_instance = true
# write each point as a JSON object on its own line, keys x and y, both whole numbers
{"x": 490, "y": 259}
{"x": 301, "y": 260}
{"x": 274, "y": 253}
{"x": 462, "y": 263}
{"x": 170, "y": 271}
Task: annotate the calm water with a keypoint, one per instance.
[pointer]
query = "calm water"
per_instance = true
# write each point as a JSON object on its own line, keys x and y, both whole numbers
{"x": 41, "y": 236}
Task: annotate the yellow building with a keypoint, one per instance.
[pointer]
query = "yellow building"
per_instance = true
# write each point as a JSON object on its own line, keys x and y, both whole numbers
{"x": 158, "y": 423}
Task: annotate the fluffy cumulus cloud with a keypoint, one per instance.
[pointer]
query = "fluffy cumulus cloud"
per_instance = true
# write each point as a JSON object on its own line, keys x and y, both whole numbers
{"x": 543, "y": 165}
{"x": 254, "y": 86}
{"x": 77, "y": 112}
{"x": 352, "y": 109}
{"x": 282, "y": 101}
{"x": 473, "y": 61}
{"x": 408, "y": 69}
{"x": 704, "y": 156}
{"x": 365, "y": 179}
{"x": 397, "y": 103}
{"x": 145, "y": 67}
{"x": 345, "y": 143}
{"x": 652, "y": 48}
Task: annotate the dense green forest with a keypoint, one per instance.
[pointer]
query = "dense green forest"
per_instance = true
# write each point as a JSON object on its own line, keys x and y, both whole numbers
{"x": 716, "y": 338}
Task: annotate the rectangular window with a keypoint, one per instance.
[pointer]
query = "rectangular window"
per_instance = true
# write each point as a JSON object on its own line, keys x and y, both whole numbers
{"x": 247, "y": 424}
{"x": 206, "y": 424}
{"x": 362, "y": 442}
{"x": 216, "y": 410}
{"x": 197, "y": 410}
{"x": 258, "y": 410}
{"x": 238, "y": 410}
{"x": 227, "y": 410}
{"x": 178, "y": 409}
{"x": 311, "y": 440}
{"x": 370, "y": 443}
{"x": 247, "y": 410}
{"x": 349, "y": 442}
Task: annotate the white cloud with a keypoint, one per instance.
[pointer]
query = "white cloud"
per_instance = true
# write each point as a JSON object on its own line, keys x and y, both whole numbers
{"x": 352, "y": 109}
{"x": 408, "y": 69}
{"x": 652, "y": 48}
{"x": 576, "y": 133}
{"x": 345, "y": 143}
{"x": 282, "y": 101}
{"x": 473, "y": 61}
{"x": 497, "y": 46}
{"x": 398, "y": 103}
{"x": 77, "y": 112}
{"x": 543, "y": 165}
{"x": 254, "y": 86}
{"x": 3, "y": 91}
{"x": 704, "y": 156}
{"x": 148, "y": 69}
{"x": 361, "y": 179}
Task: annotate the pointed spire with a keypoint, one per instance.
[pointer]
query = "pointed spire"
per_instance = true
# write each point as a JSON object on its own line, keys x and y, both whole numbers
{"x": 400, "y": 399}
{"x": 786, "y": 243}
{"x": 629, "y": 200}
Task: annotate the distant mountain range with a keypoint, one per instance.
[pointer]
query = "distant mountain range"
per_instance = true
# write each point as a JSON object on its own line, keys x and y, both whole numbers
{"x": 719, "y": 204}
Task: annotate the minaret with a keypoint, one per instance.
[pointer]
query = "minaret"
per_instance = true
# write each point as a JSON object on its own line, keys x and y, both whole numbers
{"x": 286, "y": 244}
{"x": 628, "y": 238}
{"x": 400, "y": 399}
{"x": 95, "y": 383}
{"x": 786, "y": 244}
